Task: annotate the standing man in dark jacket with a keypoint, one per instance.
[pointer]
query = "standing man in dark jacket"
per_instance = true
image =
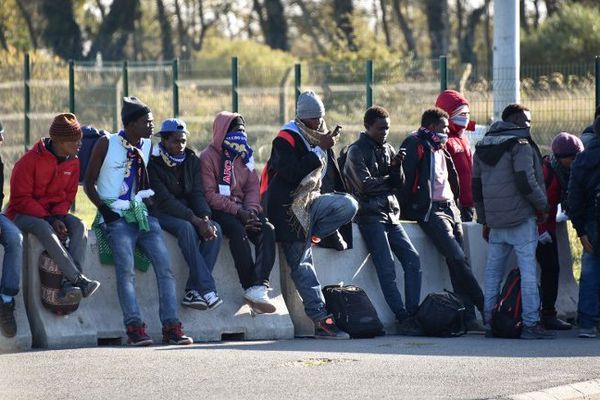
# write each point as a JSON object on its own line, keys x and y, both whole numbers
{"x": 508, "y": 187}
{"x": 374, "y": 174}
{"x": 296, "y": 207}
{"x": 429, "y": 197}
{"x": 584, "y": 211}
{"x": 181, "y": 209}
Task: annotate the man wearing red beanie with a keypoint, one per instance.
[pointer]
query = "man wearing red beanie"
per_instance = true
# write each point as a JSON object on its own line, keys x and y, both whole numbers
{"x": 457, "y": 107}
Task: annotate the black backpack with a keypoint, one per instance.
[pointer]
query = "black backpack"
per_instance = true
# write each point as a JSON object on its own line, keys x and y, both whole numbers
{"x": 506, "y": 315}
{"x": 441, "y": 314}
{"x": 353, "y": 311}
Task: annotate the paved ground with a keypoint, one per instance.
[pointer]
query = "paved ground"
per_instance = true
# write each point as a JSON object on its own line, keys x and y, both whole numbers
{"x": 394, "y": 367}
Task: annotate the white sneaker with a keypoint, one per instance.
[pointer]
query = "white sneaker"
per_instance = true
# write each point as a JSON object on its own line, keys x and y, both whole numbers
{"x": 257, "y": 298}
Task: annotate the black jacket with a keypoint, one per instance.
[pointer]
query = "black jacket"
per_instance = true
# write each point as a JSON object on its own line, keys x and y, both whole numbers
{"x": 584, "y": 186}
{"x": 415, "y": 196}
{"x": 181, "y": 198}
{"x": 372, "y": 181}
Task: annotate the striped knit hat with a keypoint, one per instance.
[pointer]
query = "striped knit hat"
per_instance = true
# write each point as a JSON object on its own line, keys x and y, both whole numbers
{"x": 65, "y": 128}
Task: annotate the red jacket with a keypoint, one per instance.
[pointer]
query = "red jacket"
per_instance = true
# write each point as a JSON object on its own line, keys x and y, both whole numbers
{"x": 244, "y": 184}
{"x": 460, "y": 150}
{"x": 40, "y": 186}
{"x": 553, "y": 191}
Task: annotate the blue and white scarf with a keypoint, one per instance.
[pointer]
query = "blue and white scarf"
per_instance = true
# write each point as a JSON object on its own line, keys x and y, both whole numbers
{"x": 436, "y": 139}
{"x": 169, "y": 159}
{"x": 236, "y": 144}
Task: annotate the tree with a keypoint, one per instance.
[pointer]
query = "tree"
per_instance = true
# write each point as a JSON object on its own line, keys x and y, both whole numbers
{"x": 438, "y": 26}
{"x": 116, "y": 29}
{"x": 342, "y": 13}
{"x": 384, "y": 22}
{"x": 466, "y": 32}
{"x": 273, "y": 23}
{"x": 165, "y": 29}
{"x": 407, "y": 32}
{"x": 61, "y": 32}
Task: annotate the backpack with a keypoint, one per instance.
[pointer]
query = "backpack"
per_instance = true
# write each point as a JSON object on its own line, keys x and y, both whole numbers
{"x": 51, "y": 279}
{"x": 88, "y": 141}
{"x": 506, "y": 315}
{"x": 353, "y": 311}
{"x": 441, "y": 314}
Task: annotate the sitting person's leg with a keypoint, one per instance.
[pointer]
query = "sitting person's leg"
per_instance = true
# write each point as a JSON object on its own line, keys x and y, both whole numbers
{"x": 411, "y": 264}
{"x": 12, "y": 241}
{"x": 330, "y": 211}
{"x": 77, "y": 249}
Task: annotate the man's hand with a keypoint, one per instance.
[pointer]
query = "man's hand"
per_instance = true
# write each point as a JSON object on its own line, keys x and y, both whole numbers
{"x": 541, "y": 218}
{"x": 328, "y": 140}
{"x": 398, "y": 158}
{"x": 545, "y": 238}
{"x": 205, "y": 228}
{"x": 61, "y": 230}
{"x": 253, "y": 224}
{"x": 485, "y": 233}
{"x": 587, "y": 246}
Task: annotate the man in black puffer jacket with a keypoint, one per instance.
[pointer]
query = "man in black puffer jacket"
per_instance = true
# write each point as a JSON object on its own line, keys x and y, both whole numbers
{"x": 374, "y": 174}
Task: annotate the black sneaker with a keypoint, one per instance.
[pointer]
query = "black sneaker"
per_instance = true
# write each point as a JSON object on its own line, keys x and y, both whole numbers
{"x": 87, "y": 286}
{"x": 327, "y": 329}
{"x": 536, "y": 332}
{"x": 8, "y": 325}
{"x": 70, "y": 293}
{"x": 553, "y": 323}
{"x": 193, "y": 299}
{"x": 136, "y": 335}
{"x": 212, "y": 300}
{"x": 173, "y": 334}
{"x": 409, "y": 327}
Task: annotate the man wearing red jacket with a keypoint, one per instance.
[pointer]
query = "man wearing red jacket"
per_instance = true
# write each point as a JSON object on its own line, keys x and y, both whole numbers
{"x": 43, "y": 186}
{"x": 457, "y": 107}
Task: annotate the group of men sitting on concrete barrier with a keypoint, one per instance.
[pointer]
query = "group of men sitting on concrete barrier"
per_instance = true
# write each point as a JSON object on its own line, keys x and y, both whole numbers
{"x": 307, "y": 196}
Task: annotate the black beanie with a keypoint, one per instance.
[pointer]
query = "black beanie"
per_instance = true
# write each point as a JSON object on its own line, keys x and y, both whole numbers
{"x": 132, "y": 109}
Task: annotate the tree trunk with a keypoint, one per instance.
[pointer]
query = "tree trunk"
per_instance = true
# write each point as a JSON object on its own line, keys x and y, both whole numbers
{"x": 61, "y": 32}
{"x": 165, "y": 30}
{"x": 314, "y": 27}
{"x": 116, "y": 30}
{"x": 342, "y": 13}
{"x": 552, "y": 6}
{"x": 438, "y": 25}
{"x": 3, "y": 41}
{"x": 26, "y": 14}
{"x": 411, "y": 44}
{"x": 277, "y": 28}
{"x": 467, "y": 42}
{"x": 384, "y": 20}
{"x": 523, "y": 16}
{"x": 536, "y": 7}
{"x": 183, "y": 36}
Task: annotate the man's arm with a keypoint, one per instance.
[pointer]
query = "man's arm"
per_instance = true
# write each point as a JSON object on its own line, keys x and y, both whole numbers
{"x": 525, "y": 177}
{"x": 91, "y": 177}
{"x": 360, "y": 178}
{"x": 477, "y": 188}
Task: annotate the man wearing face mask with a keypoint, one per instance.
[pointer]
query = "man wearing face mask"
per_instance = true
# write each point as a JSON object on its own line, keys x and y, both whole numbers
{"x": 429, "y": 197}
{"x": 457, "y": 107}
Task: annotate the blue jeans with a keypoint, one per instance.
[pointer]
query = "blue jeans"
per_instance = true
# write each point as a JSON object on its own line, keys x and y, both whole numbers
{"x": 123, "y": 238}
{"x": 12, "y": 240}
{"x": 589, "y": 291}
{"x": 523, "y": 239}
{"x": 383, "y": 241}
{"x": 200, "y": 255}
{"x": 327, "y": 213}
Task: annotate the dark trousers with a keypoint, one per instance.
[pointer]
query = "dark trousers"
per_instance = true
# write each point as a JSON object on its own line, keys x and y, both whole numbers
{"x": 467, "y": 214}
{"x": 445, "y": 231}
{"x": 547, "y": 257}
{"x": 250, "y": 272}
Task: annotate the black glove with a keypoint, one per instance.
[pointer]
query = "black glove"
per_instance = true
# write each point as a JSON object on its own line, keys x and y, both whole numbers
{"x": 108, "y": 214}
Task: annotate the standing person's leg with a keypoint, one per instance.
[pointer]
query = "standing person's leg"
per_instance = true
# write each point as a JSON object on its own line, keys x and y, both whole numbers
{"x": 589, "y": 286}
{"x": 411, "y": 264}
{"x": 12, "y": 241}
{"x": 330, "y": 211}
{"x": 547, "y": 257}
{"x": 376, "y": 238}
{"x": 498, "y": 253}
{"x": 239, "y": 246}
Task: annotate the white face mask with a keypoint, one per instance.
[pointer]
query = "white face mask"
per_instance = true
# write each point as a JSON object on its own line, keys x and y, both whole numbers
{"x": 460, "y": 120}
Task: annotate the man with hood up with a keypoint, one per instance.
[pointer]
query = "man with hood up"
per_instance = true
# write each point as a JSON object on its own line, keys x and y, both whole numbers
{"x": 231, "y": 188}
{"x": 510, "y": 197}
{"x": 457, "y": 107}
{"x": 291, "y": 187}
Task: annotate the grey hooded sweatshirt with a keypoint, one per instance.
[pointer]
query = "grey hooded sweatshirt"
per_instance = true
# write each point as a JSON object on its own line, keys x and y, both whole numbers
{"x": 508, "y": 179}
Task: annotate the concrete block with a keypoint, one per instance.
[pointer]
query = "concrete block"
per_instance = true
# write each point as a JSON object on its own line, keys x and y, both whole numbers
{"x": 99, "y": 318}
{"x": 22, "y": 341}
{"x": 355, "y": 267}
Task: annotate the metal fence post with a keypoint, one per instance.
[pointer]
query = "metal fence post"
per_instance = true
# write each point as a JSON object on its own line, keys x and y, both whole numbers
{"x": 176, "y": 87}
{"x": 125, "y": 79}
{"x": 297, "y": 82}
{"x": 597, "y": 81}
{"x": 27, "y": 99}
{"x": 369, "y": 83}
{"x": 71, "y": 87}
{"x": 443, "y": 73}
{"x": 234, "y": 84}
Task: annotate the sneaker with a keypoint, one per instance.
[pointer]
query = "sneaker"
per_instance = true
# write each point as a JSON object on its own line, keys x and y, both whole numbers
{"x": 88, "y": 287}
{"x": 588, "y": 333}
{"x": 474, "y": 326}
{"x": 409, "y": 327}
{"x": 8, "y": 325}
{"x": 173, "y": 334}
{"x": 554, "y": 323}
{"x": 257, "y": 298}
{"x": 212, "y": 300}
{"x": 327, "y": 329}
{"x": 70, "y": 293}
{"x": 193, "y": 299}
{"x": 536, "y": 332}
{"x": 136, "y": 335}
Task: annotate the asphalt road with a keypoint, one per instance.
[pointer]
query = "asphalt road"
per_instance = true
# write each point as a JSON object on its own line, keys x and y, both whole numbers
{"x": 393, "y": 367}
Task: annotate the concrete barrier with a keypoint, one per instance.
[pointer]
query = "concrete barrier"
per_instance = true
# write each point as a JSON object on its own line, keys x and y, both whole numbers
{"x": 355, "y": 267}
{"x": 99, "y": 319}
{"x": 22, "y": 341}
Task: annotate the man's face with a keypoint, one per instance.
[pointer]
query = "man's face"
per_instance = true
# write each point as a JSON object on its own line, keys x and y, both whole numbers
{"x": 313, "y": 123}
{"x": 238, "y": 127}
{"x": 440, "y": 127}
{"x": 379, "y": 130}
{"x": 66, "y": 149}
{"x": 523, "y": 119}
{"x": 144, "y": 126}
{"x": 175, "y": 143}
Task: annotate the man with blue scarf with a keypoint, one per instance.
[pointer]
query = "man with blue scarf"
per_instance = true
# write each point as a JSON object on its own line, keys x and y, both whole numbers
{"x": 182, "y": 210}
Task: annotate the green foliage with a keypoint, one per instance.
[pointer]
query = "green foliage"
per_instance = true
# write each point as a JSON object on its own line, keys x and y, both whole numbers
{"x": 572, "y": 34}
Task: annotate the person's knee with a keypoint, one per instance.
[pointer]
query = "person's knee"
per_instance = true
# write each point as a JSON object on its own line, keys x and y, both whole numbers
{"x": 13, "y": 239}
